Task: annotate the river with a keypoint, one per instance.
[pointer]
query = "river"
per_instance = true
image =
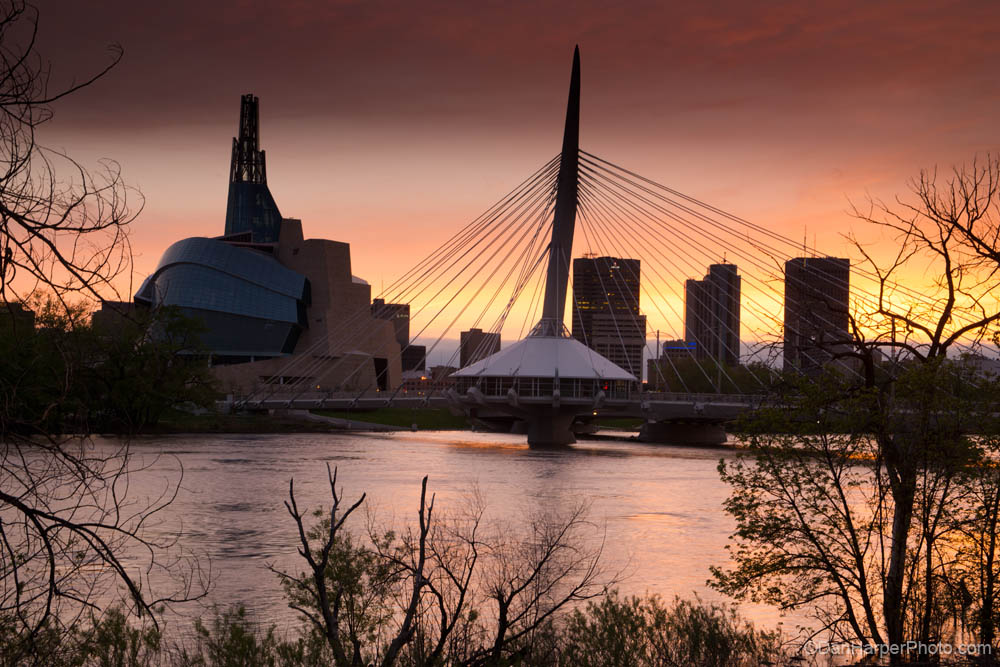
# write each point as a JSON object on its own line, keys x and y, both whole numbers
{"x": 658, "y": 508}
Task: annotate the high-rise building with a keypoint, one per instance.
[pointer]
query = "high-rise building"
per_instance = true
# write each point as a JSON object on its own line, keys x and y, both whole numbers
{"x": 412, "y": 357}
{"x": 817, "y": 290}
{"x": 112, "y": 315}
{"x": 606, "y": 314}
{"x": 712, "y": 314}
{"x": 476, "y": 344}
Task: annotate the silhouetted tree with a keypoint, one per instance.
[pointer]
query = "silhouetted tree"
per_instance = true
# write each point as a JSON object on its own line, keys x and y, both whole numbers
{"x": 456, "y": 590}
{"x": 62, "y": 228}
{"x": 66, "y": 514}
{"x": 134, "y": 371}
{"x": 847, "y": 505}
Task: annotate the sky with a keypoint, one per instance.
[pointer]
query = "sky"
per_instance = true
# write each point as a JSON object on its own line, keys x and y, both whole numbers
{"x": 389, "y": 125}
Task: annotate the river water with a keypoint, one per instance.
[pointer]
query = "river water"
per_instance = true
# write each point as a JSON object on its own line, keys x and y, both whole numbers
{"x": 658, "y": 508}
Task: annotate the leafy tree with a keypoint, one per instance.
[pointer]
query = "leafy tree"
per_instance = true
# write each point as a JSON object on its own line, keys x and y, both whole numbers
{"x": 707, "y": 376}
{"x": 150, "y": 361}
{"x": 846, "y": 504}
{"x": 69, "y": 377}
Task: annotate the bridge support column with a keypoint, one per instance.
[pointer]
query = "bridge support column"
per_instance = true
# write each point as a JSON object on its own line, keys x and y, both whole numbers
{"x": 683, "y": 433}
{"x": 550, "y": 430}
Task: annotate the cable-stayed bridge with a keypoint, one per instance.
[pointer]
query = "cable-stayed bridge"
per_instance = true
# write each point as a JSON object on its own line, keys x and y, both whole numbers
{"x": 509, "y": 271}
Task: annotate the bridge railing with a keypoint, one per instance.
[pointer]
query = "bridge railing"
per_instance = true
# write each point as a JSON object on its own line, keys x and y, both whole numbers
{"x": 681, "y": 397}
{"x": 316, "y": 396}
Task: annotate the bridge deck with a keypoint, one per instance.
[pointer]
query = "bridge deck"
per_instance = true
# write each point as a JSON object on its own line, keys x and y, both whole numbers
{"x": 656, "y": 406}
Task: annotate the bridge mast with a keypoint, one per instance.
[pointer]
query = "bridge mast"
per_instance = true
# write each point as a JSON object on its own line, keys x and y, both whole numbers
{"x": 564, "y": 221}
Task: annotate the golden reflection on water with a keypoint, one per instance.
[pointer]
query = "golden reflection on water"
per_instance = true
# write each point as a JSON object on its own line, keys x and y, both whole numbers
{"x": 658, "y": 508}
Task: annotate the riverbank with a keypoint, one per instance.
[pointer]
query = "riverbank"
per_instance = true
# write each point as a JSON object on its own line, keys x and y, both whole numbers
{"x": 331, "y": 421}
{"x": 425, "y": 419}
{"x": 325, "y": 421}
{"x": 301, "y": 421}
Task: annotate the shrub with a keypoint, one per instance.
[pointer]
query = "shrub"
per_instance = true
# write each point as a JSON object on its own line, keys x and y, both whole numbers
{"x": 643, "y": 631}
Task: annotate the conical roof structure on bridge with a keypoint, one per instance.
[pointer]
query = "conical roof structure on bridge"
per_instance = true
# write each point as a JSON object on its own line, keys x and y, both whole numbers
{"x": 546, "y": 357}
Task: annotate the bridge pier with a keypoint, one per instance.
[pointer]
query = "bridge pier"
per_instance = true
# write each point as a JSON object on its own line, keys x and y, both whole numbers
{"x": 683, "y": 433}
{"x": 550, "y": 430}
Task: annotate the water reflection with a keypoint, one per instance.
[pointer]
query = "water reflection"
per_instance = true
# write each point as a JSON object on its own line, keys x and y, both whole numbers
{"x": 662, "y": 506}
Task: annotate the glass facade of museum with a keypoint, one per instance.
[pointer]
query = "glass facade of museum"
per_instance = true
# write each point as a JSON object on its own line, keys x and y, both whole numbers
{"x": 251, "y": 305}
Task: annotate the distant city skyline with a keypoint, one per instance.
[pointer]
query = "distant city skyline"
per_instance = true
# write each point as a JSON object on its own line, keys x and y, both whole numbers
{"x": 779, "y": 112}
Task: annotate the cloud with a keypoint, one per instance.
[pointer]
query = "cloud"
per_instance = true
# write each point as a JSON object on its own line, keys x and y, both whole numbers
{"x": 778, "y": 110}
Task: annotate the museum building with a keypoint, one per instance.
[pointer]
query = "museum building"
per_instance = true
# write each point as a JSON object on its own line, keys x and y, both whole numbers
{"x": 277, "y": 308}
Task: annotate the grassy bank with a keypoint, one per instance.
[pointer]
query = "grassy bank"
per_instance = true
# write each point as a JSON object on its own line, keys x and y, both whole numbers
{"x": 429, "y": 419}
{"x": 176, "y": 421}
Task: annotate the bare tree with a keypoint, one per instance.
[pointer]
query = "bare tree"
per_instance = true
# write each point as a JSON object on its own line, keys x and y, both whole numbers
{"x": 861, "y": 518}
{"x": 71, "y": 528}
{"x": 979, "y": 556}
{"x": 950, "y": 231}
{"x": 72, "y": 533}
{"x": 62, "y": 228}
{"x": 441, "y": 592}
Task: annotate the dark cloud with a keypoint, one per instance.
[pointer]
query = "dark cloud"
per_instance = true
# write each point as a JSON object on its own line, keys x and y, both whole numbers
{"x": 379, "y": 61}
{"x": 778, "y": 110}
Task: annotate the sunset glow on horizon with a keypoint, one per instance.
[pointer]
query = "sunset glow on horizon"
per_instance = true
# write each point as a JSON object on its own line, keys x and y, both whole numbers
{"x": 390, "y": 126}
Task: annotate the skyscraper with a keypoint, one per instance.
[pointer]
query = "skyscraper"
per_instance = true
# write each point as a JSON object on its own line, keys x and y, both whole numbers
{"x": 712, "y": 314}
{"x": 606, "y": 309}
{"x": 817, "y": 290}
{"x": 476, "y": 344}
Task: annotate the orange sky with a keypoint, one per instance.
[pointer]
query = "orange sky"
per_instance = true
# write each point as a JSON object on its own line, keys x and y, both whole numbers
{"x": 390, "y": 125}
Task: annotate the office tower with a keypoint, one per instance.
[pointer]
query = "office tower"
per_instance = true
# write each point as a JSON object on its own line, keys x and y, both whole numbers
{"x": 476, "y": 344}
{"x": 412, "y": 357}
{"x": 712, "y": 314}
{"x": 816, "y": 310}
{"x": 112, "y": 316}
{"x": 606, "y": 309}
